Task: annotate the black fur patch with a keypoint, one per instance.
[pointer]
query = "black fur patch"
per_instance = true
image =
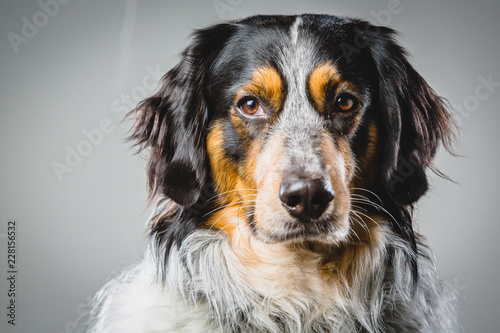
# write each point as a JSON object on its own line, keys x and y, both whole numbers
{"x": 233, "y": 144}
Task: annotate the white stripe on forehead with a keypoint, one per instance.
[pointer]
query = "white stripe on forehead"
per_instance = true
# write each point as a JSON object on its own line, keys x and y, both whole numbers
{"x": 299, "y": 124}
{"x": 294, "y": 57}
{"x": 294, "y": 30}
{"x": 296, "y": 62}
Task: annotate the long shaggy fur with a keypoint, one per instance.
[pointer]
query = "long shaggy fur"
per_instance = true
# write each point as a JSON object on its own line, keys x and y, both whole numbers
{"x": 207, "y": 289}
{"x": 224, "y": 255}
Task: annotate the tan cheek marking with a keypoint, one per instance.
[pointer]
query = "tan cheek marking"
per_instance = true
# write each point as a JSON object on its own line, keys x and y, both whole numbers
{"x": 251, "y": 162}
{"x": 267, "y": 84}
{"x": 223, "y": 169}
{"x": 228, "y": 180}
{"x": 320, "y": 80}
{"x": 225, "y": 177}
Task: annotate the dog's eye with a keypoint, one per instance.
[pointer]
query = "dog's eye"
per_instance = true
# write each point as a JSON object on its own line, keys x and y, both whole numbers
{"x": 251, "y": 107}
{"x": 345, "y": 102}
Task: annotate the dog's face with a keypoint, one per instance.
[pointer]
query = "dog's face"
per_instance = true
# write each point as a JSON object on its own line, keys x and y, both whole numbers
{"x": 281, "y": 142}
{"x": 288, "y": 119}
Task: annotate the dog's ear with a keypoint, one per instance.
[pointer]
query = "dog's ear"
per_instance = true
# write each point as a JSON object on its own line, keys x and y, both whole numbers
{"x": 172, "y": 122}
{"x": 414, "y": 118}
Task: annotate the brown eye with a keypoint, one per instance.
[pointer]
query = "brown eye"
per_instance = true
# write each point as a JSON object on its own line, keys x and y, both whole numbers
{"x": 251, "y": 107}
{"x": 345, "y": 103}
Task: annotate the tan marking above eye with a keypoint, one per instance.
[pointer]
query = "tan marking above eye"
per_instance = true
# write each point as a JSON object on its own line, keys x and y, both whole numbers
{"x": 321, "y": 78}
{"x": 266, "y": 83}
{"x": 325, "y": 80}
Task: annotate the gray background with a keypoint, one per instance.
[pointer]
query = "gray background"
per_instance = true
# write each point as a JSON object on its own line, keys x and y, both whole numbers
{"x": 90, "y": 59}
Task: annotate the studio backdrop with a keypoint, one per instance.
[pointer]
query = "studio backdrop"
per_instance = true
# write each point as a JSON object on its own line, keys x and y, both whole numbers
{"x": 73, "y": 193}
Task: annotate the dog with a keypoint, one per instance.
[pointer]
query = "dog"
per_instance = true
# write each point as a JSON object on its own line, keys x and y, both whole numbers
{"x": 285, "y": 156}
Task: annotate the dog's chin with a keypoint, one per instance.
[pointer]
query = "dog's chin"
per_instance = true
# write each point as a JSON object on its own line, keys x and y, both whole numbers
{"x": 327, "y": 233}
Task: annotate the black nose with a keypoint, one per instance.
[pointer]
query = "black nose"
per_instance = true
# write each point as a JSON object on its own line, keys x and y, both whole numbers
{"x": 306, "y": 198}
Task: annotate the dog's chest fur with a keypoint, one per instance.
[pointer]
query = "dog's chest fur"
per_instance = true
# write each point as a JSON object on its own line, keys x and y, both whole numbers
{"x": 207, "y": 288}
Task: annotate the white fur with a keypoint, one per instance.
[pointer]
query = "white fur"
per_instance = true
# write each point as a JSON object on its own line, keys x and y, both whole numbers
{"x": 135, "y": 302}
{"x": 209, "y": 289}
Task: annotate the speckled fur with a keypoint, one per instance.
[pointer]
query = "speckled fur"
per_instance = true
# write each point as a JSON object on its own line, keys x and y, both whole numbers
{"x": 208, "y": 289}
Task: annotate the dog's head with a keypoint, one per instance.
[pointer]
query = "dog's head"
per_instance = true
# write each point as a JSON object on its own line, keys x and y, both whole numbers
{"x": 293, "y": 122}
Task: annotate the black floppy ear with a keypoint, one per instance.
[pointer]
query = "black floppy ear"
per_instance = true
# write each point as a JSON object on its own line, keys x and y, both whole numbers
{"x": 414, "y": 117}
{"x": 172, "y": 122}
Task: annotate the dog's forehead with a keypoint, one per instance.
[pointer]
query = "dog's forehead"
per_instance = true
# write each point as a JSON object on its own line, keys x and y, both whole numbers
{"x": 293, "y": 45}
{"x": 333, "y": 25}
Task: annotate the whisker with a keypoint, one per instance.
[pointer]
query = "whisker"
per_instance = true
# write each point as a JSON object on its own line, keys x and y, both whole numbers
{"x": 369, "y": 217}
{"x": 361, "y": 222}
{"x": 231, "y": 192}
{"x": 357, "y": 206}
{"x": 375, "y": 205}
{"x": 355, "y": 233}
{"x": 225, "y": 206}
{"x": 228, "y": 211}
{"x": 371, "y": 192}
{"x": 245, "y": 215}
